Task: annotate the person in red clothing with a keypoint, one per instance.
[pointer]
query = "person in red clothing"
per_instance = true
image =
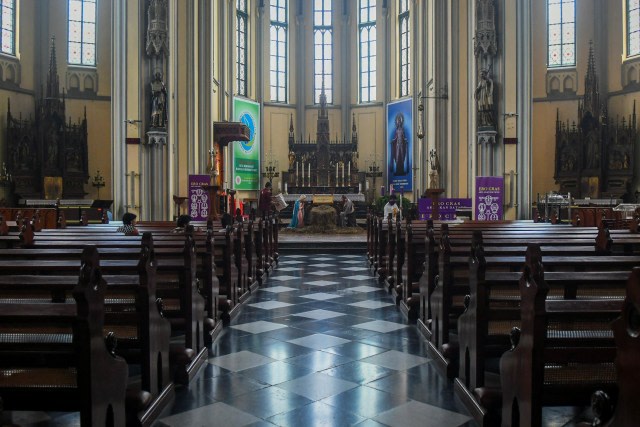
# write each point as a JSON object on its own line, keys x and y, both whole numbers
{"x": 264, "y": 204}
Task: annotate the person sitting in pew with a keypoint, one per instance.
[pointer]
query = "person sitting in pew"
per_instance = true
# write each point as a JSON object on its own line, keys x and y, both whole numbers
{"x": 182, "y": 224}
{"x": 128, "y": 226}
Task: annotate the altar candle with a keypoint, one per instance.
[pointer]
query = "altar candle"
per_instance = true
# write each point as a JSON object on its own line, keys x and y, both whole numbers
{"x": 343, "y": 174}
{"x": 349, "y": 172}
{"x": 296, "y": 172}
{"x": 336, "y": 174}
{"x": 359, "y": 188}
{"x": 285, "y": 188}
{"x": 309, "y": 173}
{"x": 367, "y": 185}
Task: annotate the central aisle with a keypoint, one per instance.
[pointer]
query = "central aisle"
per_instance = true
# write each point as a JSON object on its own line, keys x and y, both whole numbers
{"x": 319, "y": 344}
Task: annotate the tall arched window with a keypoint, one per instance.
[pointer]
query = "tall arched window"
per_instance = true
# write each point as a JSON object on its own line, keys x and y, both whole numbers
{"x": 367, "y": 29}
{"x": 405, "y": 45}
{"x": 278, "y": 52}
{"x": 561, "y": 33}
{"x": 8, "y": 25}
{"x": 82, "y": 32}
{"x": 633, "y": 27}
{"x": 322, "y": 50}
{"x": 242, "y": 19}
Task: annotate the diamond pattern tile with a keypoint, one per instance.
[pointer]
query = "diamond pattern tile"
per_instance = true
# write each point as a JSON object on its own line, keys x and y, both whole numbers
{"x": 241, "y": 360}
{"x": 358, "y": 277}
{"x": 380, "y": 326}
{"x": 363, "y": 289}
{"x": 319, "y": 314}
{"x": 319, "y": 341}
{"x": 320, "y": 296}
{"x": 269, "y": 305}
{"x": 321, "y": 283}
{"x": 278, "y": 289}
{"x": 258, "y": 327}
{"x": 355, "y": 268}
{"x": 284, "y": 278}
{"x": 371, "y": 304}
{"x": 321, "y": 273}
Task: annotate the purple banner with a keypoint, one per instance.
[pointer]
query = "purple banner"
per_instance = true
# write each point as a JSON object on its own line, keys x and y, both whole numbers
{"x": 489, "y": 198}
{"x": 198, "y": 197}
{"x": 446, "y": 207}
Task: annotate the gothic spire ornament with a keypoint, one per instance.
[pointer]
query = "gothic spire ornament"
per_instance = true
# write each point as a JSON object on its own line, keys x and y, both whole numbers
{"x": 157, "y": 28}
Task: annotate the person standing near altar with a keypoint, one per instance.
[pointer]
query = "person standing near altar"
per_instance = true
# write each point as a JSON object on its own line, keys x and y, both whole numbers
{"x": 264, "y": 203}
{"x": 347, "y": 211}
{"x": 297, "y": 217}
{"x": 392, "y": 208}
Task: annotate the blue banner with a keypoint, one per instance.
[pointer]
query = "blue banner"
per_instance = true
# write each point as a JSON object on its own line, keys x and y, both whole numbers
{"x": 400, "y": 145}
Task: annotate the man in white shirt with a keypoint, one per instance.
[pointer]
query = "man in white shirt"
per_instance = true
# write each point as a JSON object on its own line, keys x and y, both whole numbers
{"x": 392, "y": 208}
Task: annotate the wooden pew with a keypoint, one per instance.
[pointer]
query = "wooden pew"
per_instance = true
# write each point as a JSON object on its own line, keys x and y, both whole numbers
{"x": 183, "y": 305}
{"x": 626, "y": 332}
{"x": 563, "y": 351}
{"x": 492, "y": 309}
{"x": 448, "y": 296}
{"x": 76, "y": 369}
{"x": 133, "y": 314}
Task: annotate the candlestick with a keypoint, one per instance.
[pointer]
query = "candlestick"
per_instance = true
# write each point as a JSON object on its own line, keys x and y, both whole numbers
{"x": 359, "y": 188}
{"x": 309, "y": 174}
{"x": 286, "y": 188}
{"x": 336, "y": 174}
{"x": 367, "y": 185}
{"x": 349, "y": 173}
{"x": 297, "y": 180}
{"x": 343, "y": 174}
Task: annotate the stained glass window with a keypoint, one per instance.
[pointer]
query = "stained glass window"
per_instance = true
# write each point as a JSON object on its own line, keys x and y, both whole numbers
{"x": 8, "y": 25}
{"x": 367, "y": 28}
{"x": 561, "y": 33}
{"x": 278, "y": 52}
{"x": 322, "y": 50}
{"x": 405, "y": 45}
{"x": 82, "y": 32}
{"x": 242, "y": 19}
{"x": 633, "y": 27}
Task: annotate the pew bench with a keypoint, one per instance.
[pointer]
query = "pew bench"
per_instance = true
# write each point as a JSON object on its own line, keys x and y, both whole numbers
{"x": 65, "y": 366}
{"x": 492, "y": 309}
{"x": 562, "y": 352}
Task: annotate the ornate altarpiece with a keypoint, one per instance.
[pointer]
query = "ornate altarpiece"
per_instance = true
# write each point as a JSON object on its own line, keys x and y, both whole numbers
{"x": 47, "y": 145}
{"x": 595, "y": 157}
{"x": 323, "y": 165}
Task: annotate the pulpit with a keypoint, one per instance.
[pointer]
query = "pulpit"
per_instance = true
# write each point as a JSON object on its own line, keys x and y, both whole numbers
{"x": 434, "y": 195}
{"x": 223, "y": 134}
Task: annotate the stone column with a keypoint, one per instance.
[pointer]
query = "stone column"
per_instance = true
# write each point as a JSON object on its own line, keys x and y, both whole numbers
{"x": 119, "y": 105}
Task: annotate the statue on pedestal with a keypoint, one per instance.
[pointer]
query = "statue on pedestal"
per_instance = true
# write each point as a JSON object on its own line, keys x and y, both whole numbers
{"x": 434, "y": 175}
{"x": 158, "y": 102}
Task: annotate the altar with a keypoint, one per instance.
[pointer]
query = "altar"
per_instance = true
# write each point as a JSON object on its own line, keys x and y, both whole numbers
{"x": 291, "y": 198}
{"x": 323, "y": 165}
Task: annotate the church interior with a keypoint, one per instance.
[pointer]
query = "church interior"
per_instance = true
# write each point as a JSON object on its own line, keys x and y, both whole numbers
{"x": 506, "y": 129}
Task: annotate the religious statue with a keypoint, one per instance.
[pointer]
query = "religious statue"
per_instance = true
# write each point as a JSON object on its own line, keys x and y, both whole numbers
{"x": 292, "y": 159}
{"x": 158, "y": 102}
{"x": 434, "y": 163}
{"x": 399, "y": 145}
{"x": 484, "y": 99}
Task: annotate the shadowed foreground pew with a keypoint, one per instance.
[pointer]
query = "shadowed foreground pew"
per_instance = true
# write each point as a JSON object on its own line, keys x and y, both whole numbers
{"x": 563, "y": 352}
{"x": 70, "y": 367}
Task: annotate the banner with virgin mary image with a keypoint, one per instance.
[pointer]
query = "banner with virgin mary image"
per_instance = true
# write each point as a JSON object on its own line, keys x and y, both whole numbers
{"x": 400, "y": 145}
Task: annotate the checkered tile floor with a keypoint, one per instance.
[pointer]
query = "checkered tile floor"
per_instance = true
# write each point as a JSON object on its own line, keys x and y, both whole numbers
{"x": 321, "y": 343}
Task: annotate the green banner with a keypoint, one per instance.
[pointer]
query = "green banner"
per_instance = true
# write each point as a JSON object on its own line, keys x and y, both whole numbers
{"x": 246, "y": 154}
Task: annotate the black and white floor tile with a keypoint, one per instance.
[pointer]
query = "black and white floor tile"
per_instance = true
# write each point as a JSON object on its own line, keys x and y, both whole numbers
{"x": 320, "y": 344}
